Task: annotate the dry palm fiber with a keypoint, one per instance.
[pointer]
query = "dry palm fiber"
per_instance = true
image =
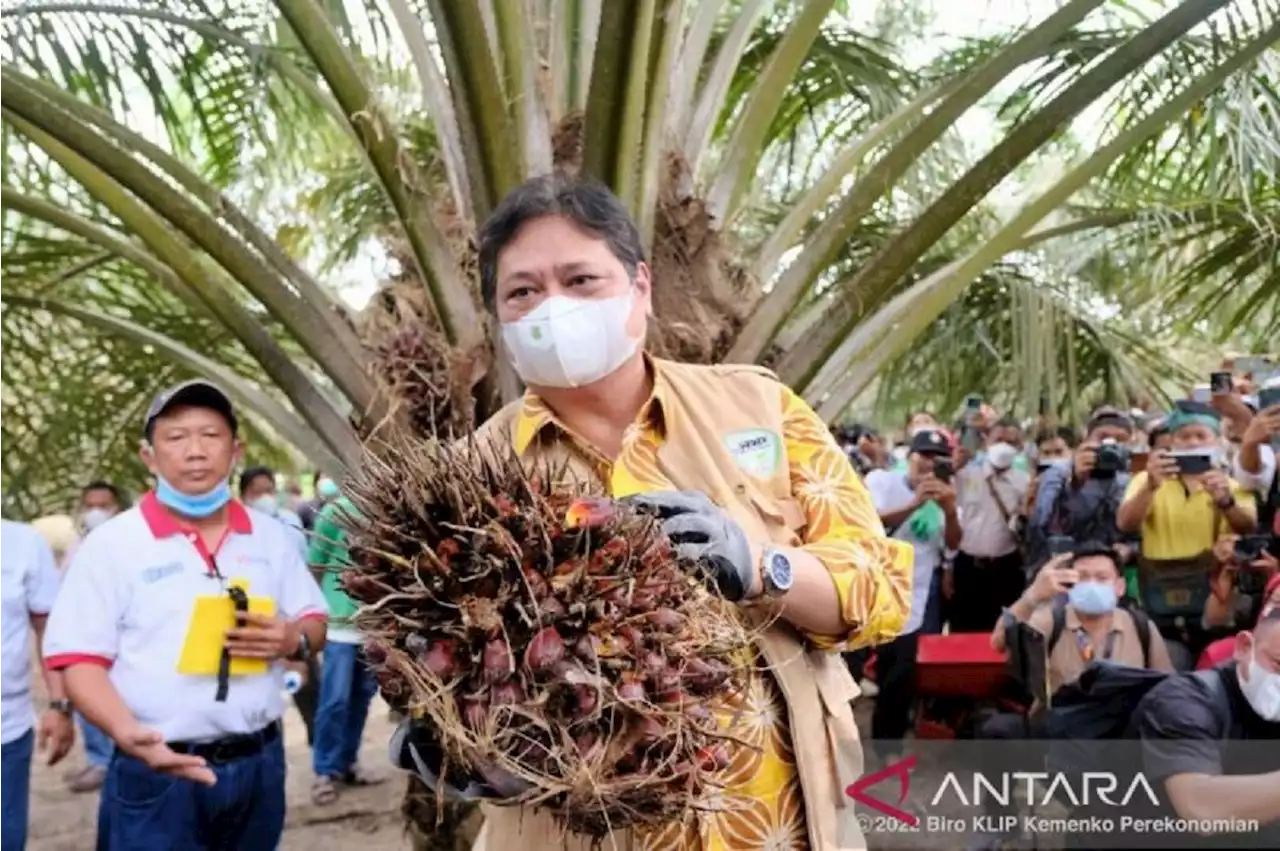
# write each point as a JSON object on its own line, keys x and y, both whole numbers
{"x": 554, "y": 637}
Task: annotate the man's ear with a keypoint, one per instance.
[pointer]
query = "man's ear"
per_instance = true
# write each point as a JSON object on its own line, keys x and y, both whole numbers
{"x": 644, "y": 286}
{"x": 1244, "y": 647}
{"x": 147, "y": 456}
{"x": 237, "y": 454}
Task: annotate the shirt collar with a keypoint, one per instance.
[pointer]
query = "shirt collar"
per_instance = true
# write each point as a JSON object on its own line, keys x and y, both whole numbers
{"x": 535, "y": 415}
{"x": 1073, "y": 623}
{"x": 165, "y": 524}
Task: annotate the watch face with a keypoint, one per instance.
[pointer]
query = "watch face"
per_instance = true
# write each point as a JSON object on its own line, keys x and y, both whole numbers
{"x": 780, "y": 574}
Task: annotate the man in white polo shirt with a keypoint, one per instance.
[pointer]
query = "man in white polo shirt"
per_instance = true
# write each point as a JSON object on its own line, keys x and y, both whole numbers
{"x": 28, "y": 586}
{"x": 140, "y": 631}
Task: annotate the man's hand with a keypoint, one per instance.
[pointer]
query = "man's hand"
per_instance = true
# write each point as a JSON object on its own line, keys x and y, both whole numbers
{"x": 1216, "y": 483}
{"x": 948, "y": 583}
{"x": 148, "y": 747}
{"x": 1086, "y": 458}
{"x": 1224, "y": 550}
{"x": 701, "y": 531}
{"x": 1053, "y": 579}
{"x": 1266, "y": 564}
{"x": 263, "y": 637}
{"x": 937, "y": 491}
{"x": 1262, "y": 426}
{"x": 57, "y": 735}
{"x": 1161, "y": 467}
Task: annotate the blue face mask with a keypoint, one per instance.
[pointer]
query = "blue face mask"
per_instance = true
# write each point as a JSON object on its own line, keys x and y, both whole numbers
{"x": 1093, "y": 598}
{"x": 199, "y": 505}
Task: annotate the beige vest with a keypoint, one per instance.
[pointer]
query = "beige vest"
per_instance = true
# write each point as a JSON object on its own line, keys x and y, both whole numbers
{"x": 703, "y": 405}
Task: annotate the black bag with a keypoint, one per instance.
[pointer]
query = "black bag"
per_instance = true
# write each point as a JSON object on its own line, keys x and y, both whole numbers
{"x": 1100, "y": 706}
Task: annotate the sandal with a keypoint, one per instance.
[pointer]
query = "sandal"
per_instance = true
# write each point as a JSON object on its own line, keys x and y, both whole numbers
{"x": 357, "y": 776}
{"x": 323, "y": 792}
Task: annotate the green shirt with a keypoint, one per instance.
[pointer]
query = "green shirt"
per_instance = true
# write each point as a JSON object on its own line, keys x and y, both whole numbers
{"x": 327, "y": 552}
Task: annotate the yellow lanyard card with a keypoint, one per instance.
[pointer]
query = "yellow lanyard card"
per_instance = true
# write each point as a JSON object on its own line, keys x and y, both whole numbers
{"x": 211, "y": 617}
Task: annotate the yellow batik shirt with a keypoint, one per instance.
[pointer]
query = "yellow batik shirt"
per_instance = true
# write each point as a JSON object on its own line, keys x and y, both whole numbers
{"x": 872, "y": 574}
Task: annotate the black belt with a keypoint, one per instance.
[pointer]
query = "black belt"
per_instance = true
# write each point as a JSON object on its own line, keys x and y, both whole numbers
{"x": 230, "y": 748}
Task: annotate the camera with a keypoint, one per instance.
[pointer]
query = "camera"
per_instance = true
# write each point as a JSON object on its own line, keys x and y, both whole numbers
{"x": 1250, "y": 547}
{"x": 1112, "y": 459}
{"x": 1060, "y": 544}
{"x": 942, "y": 470}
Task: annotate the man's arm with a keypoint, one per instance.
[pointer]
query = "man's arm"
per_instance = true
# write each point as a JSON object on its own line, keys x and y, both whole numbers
{"x": 1243, "y": 796}
{"x": 1137, "y": 503}
{"x": 852, "y": 583}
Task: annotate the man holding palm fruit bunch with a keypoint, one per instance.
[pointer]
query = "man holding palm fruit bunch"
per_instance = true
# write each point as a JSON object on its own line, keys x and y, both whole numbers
{"x": 745, "y": 481}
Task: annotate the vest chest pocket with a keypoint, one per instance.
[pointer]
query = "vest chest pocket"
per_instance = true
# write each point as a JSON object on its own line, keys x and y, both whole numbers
{"x": 783, "y": 518}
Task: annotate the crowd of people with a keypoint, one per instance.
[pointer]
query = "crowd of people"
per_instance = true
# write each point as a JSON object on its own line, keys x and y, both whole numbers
{"x": 174, "y": 627}
{"x": 1147, "y": 540}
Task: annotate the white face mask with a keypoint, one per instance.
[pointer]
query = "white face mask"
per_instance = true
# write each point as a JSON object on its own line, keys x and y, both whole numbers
{"x": 1001, "y": 455}
{"x": 95, "y": 517}
{"x": 569, "y": 342}
{"x": 1262, "y": 689}
{"x": 266, "y": 504}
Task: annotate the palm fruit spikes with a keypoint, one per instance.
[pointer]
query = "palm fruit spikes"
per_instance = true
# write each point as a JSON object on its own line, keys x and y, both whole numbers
{"x": 543, "y": 633}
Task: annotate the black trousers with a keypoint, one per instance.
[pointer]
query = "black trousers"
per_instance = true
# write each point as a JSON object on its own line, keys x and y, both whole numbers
{"x": 983, "y": 588}
{"x": 896, "y": 679}
{"x": 1001, "y": 759}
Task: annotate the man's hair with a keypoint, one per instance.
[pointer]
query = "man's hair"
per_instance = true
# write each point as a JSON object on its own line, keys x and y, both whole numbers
{"x": 913, "y": 414}
{"x": 1008, "y": 422}
{"x": 1108, "y": 415}
{"x": 1091, "y": 549}
{"x": 247, "y": 477}
{"x": 1067, "y": 433}
{"x": 588, "y": 204}
{"x": 104, "y": 485}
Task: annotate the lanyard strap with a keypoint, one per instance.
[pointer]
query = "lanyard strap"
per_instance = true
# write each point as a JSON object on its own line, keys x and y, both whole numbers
{"x": 1086, "y": 646}
{"x": 240, "y": 600}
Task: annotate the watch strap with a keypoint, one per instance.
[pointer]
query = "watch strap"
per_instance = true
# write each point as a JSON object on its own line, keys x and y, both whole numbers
{"x": 63, "y": 706}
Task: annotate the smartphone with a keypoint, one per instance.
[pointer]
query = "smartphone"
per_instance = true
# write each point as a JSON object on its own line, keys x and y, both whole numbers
{"x": 942, "y": 470}
{"x": 1202, "y": 393}
{"x": 1249, "y": 547}
{"x": 1059, "y": 544}
{"x": 1268, "y": 397}
{"x": 1192, "y": 463}
{"x": 1219, "y": 383}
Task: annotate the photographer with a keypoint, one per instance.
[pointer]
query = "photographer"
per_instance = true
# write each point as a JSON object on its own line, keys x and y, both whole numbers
{"x": 917, "y": 506}
{"x": 1053, "y": 446}
{"x": 1196, "y": 734}
{"x": 1079, "y": 500}
{"x": 1255, "y": 463}
{"x": 1181, "y": 505}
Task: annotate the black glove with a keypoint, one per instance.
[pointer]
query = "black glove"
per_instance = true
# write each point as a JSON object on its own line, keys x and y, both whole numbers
{"x": 703, "y": 532}
{"x": 414, "y": 748}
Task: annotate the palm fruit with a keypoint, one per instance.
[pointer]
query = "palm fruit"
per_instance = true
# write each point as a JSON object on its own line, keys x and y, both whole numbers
{"x": 552, "y": 636}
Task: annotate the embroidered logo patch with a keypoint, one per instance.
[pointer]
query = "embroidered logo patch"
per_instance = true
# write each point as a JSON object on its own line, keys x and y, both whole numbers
{"x": 756, "y": 451}
{"x": 161, "y": 571}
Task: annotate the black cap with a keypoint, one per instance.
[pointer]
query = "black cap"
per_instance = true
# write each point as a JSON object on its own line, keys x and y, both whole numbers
{"x": 196, "y": 393}
{"x": 930, "y": 442}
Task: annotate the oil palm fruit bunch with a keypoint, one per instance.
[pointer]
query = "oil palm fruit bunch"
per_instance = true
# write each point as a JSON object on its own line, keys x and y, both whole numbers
{"x": 430, "y": 384}
{"x": 542, "y": 633}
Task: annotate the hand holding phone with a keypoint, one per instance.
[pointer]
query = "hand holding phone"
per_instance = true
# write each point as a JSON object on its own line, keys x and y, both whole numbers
{"x": 1220, "y": 383}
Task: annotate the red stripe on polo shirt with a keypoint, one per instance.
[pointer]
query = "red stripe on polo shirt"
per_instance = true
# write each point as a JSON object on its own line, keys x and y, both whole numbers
{"x": 63, "y": 661}
{"x": 313, "y": 615}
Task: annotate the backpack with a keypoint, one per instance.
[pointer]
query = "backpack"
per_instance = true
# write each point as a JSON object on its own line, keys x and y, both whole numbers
{"x": 1101, "y": 706}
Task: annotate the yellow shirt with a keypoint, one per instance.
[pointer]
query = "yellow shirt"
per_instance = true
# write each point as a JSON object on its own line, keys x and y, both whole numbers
{"x": 1183, "y": 523}
{"x": 872, "y": 575}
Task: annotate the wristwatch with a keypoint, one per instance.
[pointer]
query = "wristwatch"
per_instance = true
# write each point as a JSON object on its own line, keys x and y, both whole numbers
{"x": 1227, "y": 504}
{"x": 63, "y": 706}
{"x": 303, "y": 653}
{"x": 776, "y": 572}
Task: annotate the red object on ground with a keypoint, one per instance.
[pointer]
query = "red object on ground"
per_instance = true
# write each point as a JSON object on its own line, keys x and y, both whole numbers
{"x": 959, "y": 665}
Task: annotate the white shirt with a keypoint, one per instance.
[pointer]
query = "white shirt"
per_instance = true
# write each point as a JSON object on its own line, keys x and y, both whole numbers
{"x": 986, "y": 532}
{"x": 127, "y": 603}
{"x": 28, "y": 584}
{"x": 1261, "y": 481}
{"x": 891, "y": 492}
